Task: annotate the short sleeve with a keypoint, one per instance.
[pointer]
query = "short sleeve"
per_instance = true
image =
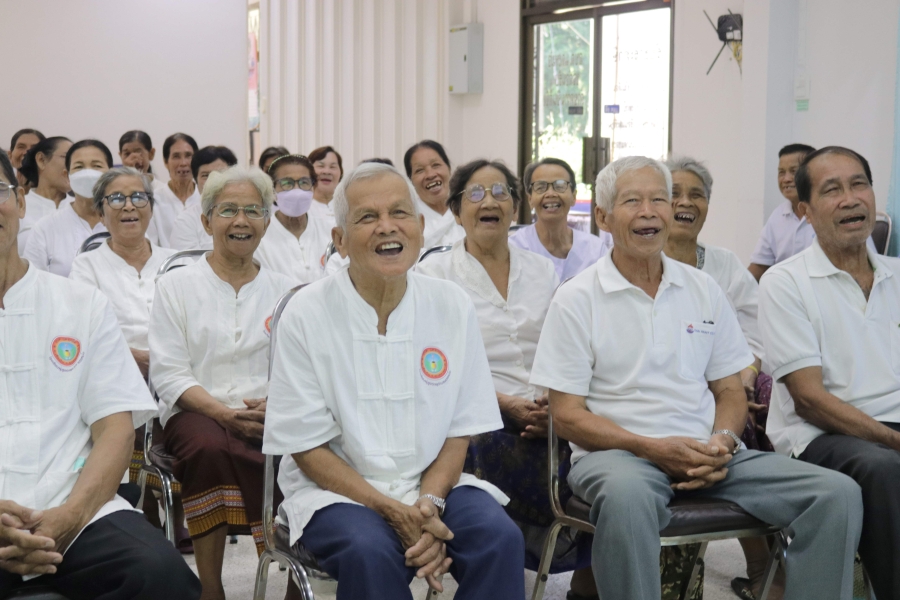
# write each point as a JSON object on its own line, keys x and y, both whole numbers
{"x": 170, "y": 359}
{"x": 564, "y": 360}
{"x": 744, "y": 294}
{"x": 764, "y": 254}
{"x": 111, "y": 382}
{"x": 730, "y": 354}
{"x": 36, "y": 248}
{"x": 788, "y": 334}
{"x": 82, "y": 271}
{"x": 298, "y": 417}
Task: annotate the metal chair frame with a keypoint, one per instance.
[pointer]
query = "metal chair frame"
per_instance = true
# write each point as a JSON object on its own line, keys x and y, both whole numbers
{"x": 434, "y": 250}
{"x": 561, "y": 519}
{"x": 93, "y": 242}
{"x": 881, "y": 217}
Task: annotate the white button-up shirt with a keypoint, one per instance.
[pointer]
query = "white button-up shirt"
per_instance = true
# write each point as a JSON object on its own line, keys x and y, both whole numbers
{"x": 384, "y": 403}
{"x": 56, "y": 238}
{"x": 166, "y": 208}
{"x": 64, "y": 365}
{"x": 586, "y": 249}
{"x": 440, "y": 229}
{"x": 642, "y": 362}
{"x": 188, "y": 232}
{"x": 814, "y": 315}
{"x": 36, "y": 207}
{"x": 202, "y": 333}
{"x": 740, "y": 288}
{"x": 302, "y": 259}
{"x": 510, "y": 328}
{"x": 319, "y": 211}
{"x": 130, "y": 292}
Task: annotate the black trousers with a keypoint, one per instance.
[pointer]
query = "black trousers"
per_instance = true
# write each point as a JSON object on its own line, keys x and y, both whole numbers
{"x": 119, "y": 557}
{"x": 876, "y": 468}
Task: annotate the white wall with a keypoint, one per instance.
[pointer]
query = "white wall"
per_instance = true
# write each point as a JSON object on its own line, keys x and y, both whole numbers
{"x": 101, "y": 67}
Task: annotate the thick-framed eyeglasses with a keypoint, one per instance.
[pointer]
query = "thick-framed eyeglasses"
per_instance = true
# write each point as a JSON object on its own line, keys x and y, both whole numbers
{"x": 286, "y": 183}
{"x": 7, "y": 191}
{"x": 539, "y": 187}
{"x": 117, "y": 200}
{"x": 230, "y": 211}
{"x": 477, "y": 192}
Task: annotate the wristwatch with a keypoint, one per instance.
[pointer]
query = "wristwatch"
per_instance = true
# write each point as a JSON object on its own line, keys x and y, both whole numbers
{"x": 732, "y": 435}
{"x": 440, "y": 503}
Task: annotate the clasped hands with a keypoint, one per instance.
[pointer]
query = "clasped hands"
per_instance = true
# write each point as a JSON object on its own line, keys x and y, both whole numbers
{"x": 532, "y": 417}
{"x": 424, "y": 536}
{"x": 693, "y": 465}
{"x": 247, "y": 423}
{"x": 32, "y": 542}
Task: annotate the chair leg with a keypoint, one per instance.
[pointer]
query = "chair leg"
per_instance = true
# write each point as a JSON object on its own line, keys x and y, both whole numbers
{"x": 695, "y": 572}
{"x": 262, "y": 576}
{"x": 142, "y": 482}
{"x": 546, "y": 557}
{"x": 168, "y": 506}
{"x": 301, "y": 579}
{"x": 870, "y": 594}
{"x": 777, "y": 556}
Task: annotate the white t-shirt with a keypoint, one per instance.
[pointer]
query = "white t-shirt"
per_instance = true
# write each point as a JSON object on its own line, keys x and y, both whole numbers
{"x": 740, "y": 288}
{"x": 813, "y": 314}
{"x": 440, "y": 229}
{"x": 188, "y": 232}
{"x": 56, "y": 239}
{"x": 641, "y": 362}
{"x": 384, "y": 404}
{"x": 510, "y": 328}
{"x": 36, "y": 207}
{"x": 300, "y": 259}
{"x": 202, "y": 333}
{"x": 166, "y": 208}
{"x": 65, "y": 366}
{"x": 586, "y": 249}
{"x": 130, "y": 292}
{"x": 319, "y": 211}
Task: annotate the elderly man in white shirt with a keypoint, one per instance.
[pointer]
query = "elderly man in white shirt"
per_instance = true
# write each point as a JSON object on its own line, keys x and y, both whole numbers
{"x": 642, "y": 355}
{"x": 830, "y": 320}
{"x": 73, "y": 397}
{"x": 209, "y": 342}
{"x": 379, "y": 379}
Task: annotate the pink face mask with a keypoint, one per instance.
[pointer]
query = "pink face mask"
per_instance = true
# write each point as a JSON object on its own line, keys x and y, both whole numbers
{"x": 295, "y": 202}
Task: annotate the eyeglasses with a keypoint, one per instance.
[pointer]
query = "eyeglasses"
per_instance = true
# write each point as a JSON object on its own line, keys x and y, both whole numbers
{"x": 253, "y": 211}
{"x": 477, "y": 192}
{"x": 286, "y": 183}
{"x": 138, "y": 199}
{"x": 539, "y": 187}
{"x": 7, "y": 191}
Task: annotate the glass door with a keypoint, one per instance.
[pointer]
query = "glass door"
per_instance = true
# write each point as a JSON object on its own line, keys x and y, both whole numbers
{"x": 597, "y": 88}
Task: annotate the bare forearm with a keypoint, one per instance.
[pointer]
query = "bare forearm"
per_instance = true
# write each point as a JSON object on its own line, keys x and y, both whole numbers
{"x": 731, "y": 404}
{"x": 757, "y": 270}
{"x": 442, "y": 474}
{"x": 330, "y": 472}
{"x": 197, "y": 400}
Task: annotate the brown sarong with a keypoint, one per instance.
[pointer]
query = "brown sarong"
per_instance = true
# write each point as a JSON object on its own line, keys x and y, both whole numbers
{"x": 221, "y": 477}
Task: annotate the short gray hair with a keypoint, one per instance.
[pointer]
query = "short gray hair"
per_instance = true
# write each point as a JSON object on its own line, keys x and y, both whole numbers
{"x": 606, "y": 179}
{"x": 113, "y": 174}
{"x": 339, "y": 202}
{"x": 218, "y": 180}
{"x": 686, "y": 163}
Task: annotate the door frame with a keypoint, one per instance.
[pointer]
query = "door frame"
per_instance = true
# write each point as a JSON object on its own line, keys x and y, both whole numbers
{"x": 532, "y": 14}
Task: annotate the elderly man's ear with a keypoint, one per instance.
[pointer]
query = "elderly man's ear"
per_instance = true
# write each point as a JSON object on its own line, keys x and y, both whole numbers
{"x": 600, "y": 217}
{"x": 337, "y": 237}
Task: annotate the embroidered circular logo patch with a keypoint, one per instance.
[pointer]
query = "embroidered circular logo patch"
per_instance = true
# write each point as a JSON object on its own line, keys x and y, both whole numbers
{"x": 268, "y": 325}
{"x": 65, "y": 351}
{"x": 434, "y": 364}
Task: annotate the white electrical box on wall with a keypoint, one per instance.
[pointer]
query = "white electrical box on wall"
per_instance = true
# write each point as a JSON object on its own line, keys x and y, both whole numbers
{"x": 467, "y": 58}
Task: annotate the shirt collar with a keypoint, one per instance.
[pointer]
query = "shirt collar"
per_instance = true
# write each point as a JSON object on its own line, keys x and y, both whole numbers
{"x": 611, "y": 280}
{"x": 819, "y": 265}
{"x": 367, "y": 312}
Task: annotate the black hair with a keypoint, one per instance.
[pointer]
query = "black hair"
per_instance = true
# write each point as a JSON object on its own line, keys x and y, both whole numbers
{"x": 136, "y": 135}
{"x": 383, "y": 161}
{"x": 89, "y": 144}
{"x": 320, "y": 154}
{"x": 271, "y": 152}
{"x": 6, "y": 169}
{"x": 532, "y": 167}
{"x": 802, "y": 179}
{"x": 15, "y": 138}
{"x": 795, "y": 149}
{"x": 211, "y": 154}
{"x": 47, "y": 147}
{"x": 170, "y": 141}
{"x": 407, "y": 158}
{"x": 292, "y": 159}
{"x": 463, "y": 174}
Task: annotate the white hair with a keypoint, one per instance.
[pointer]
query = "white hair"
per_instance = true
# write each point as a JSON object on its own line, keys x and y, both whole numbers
{"x": 341, "y": 206}
{"x": 605, "y": 186}
{"x": 237, "y": 174}
{"x": 692, "y": 165}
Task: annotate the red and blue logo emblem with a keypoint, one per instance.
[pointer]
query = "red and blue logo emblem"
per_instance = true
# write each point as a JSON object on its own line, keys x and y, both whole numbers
{"x": 690, "y": 328}
{"x": 435, "y": 366}
{"x": 268, "y": 326}
{"x": 65, "y": 351}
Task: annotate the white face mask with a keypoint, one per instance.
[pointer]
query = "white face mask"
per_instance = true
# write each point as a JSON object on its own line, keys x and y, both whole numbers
{"x": 83, "y": 182}
{"x": 295, "y": 202}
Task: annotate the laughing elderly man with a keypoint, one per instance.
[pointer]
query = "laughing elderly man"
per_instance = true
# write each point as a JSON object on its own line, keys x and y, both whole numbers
{"x": 379, "y": 379}
{"x": 642, "y": 356}
{"x": 830, "y": 320}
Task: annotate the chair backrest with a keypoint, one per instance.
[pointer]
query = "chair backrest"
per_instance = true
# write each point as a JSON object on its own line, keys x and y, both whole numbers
{"x": 269, "y": 485}
{"x": 881, "y": 235}
{"x": 169, "y": 263}
{"x": 329, "y": 250}
{"x": 93, "y": 242}
{"x": 515, "y": 227}
{"x": 435, "y": 250}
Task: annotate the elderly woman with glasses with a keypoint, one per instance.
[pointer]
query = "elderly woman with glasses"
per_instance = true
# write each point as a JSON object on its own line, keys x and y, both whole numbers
{"x": 295, "y": 244}
{"x": 511, "y": 289}
{"x": 209, "y": 341}
{"x": 550, "y": 188}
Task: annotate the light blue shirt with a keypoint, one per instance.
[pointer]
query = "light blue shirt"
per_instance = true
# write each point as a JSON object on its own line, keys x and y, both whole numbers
{"x": 586, "y": 249}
